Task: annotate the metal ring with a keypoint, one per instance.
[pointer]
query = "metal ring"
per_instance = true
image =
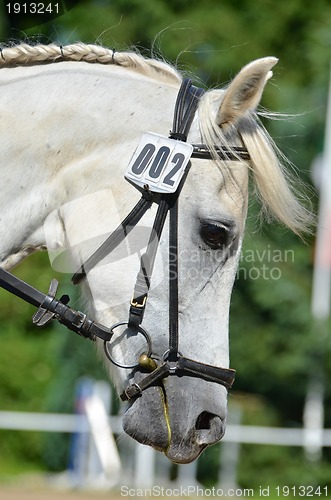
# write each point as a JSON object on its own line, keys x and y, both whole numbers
{"x": 173, "y": 366}
{"x": 165, "y": 354}
{"x": 141, "y": 330}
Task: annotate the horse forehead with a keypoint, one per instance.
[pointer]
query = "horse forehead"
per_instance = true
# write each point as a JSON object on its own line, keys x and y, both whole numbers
{"x": 216, "y": 189}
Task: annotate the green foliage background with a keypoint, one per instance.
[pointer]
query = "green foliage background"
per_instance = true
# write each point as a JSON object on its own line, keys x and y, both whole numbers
{"x": 275, "y": 345}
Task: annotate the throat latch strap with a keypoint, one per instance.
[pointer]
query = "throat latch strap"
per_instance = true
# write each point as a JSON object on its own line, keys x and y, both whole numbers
{"x": 147, "y": 260}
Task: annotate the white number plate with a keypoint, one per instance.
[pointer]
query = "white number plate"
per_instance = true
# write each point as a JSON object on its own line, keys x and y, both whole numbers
{"x": 159, "y": 162}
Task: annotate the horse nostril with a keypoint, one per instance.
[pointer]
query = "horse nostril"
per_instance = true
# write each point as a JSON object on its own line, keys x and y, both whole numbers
{"x": 204, "y": 420}
{"x": 209, "y": 428}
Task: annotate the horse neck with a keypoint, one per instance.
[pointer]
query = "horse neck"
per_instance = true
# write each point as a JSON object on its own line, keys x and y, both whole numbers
{"x": 73, "y": 136}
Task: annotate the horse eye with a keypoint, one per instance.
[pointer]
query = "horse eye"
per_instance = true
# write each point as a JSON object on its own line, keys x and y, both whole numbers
{"x": 215, "y": 236}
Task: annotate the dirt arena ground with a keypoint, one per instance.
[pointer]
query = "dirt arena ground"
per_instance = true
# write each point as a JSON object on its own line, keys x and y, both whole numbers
{"x": 39, "y": 487}
{"x": 15, "y": 493}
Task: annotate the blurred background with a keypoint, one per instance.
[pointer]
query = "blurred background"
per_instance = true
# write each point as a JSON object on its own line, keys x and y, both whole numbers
{"x": 280, "y": 350}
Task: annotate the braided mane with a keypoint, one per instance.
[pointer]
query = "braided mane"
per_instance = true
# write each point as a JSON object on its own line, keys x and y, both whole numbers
{"x": 30, "y": 55}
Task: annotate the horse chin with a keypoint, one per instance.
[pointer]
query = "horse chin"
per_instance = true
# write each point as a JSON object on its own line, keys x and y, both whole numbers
{"x": 168, "y": 424}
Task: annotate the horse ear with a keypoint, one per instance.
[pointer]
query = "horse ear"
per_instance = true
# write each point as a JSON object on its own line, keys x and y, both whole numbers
{"x": 245, "y": 91}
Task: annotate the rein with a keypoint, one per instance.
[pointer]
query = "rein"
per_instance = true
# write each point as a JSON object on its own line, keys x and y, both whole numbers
{"x": 172, "y": 362}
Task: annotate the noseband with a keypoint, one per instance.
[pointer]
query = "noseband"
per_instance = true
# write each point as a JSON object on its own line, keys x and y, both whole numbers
{"x": 172, "y": 362}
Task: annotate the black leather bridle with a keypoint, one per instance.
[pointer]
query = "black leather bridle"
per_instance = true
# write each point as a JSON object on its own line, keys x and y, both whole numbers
{"x": 172, "y": 361}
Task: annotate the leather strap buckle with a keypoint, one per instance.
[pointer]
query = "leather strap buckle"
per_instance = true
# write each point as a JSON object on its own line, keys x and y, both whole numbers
{"x": 137, "y": 309}
{"x": 131, "y": 392}
{"x": 134, "y": 302}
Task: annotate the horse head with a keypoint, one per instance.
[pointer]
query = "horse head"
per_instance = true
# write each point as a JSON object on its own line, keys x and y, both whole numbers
{"x": 84, "y": 196}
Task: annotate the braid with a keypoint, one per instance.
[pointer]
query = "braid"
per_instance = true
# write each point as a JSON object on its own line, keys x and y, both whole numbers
{"x": 25, "y": 55}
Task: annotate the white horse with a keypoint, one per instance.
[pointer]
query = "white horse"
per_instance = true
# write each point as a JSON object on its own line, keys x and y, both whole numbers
{"x": 70, "y": 120}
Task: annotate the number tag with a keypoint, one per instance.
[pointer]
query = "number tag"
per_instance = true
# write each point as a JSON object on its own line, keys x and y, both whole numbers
{"x": 159, "y": 162}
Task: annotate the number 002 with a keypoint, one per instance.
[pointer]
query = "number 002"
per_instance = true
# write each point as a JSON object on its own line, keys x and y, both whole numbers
{"x": 155, "y": 170}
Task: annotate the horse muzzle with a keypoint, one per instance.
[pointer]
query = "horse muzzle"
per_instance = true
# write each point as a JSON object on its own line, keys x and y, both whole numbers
{"x": 181, "y": 417}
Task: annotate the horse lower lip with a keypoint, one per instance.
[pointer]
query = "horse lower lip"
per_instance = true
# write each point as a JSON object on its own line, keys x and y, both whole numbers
{"x": 177, "y": 455}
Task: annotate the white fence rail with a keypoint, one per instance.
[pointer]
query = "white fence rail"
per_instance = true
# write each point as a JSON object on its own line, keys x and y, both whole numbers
{"x": 250, "y": 434}
{"x": 50, "y": 422}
